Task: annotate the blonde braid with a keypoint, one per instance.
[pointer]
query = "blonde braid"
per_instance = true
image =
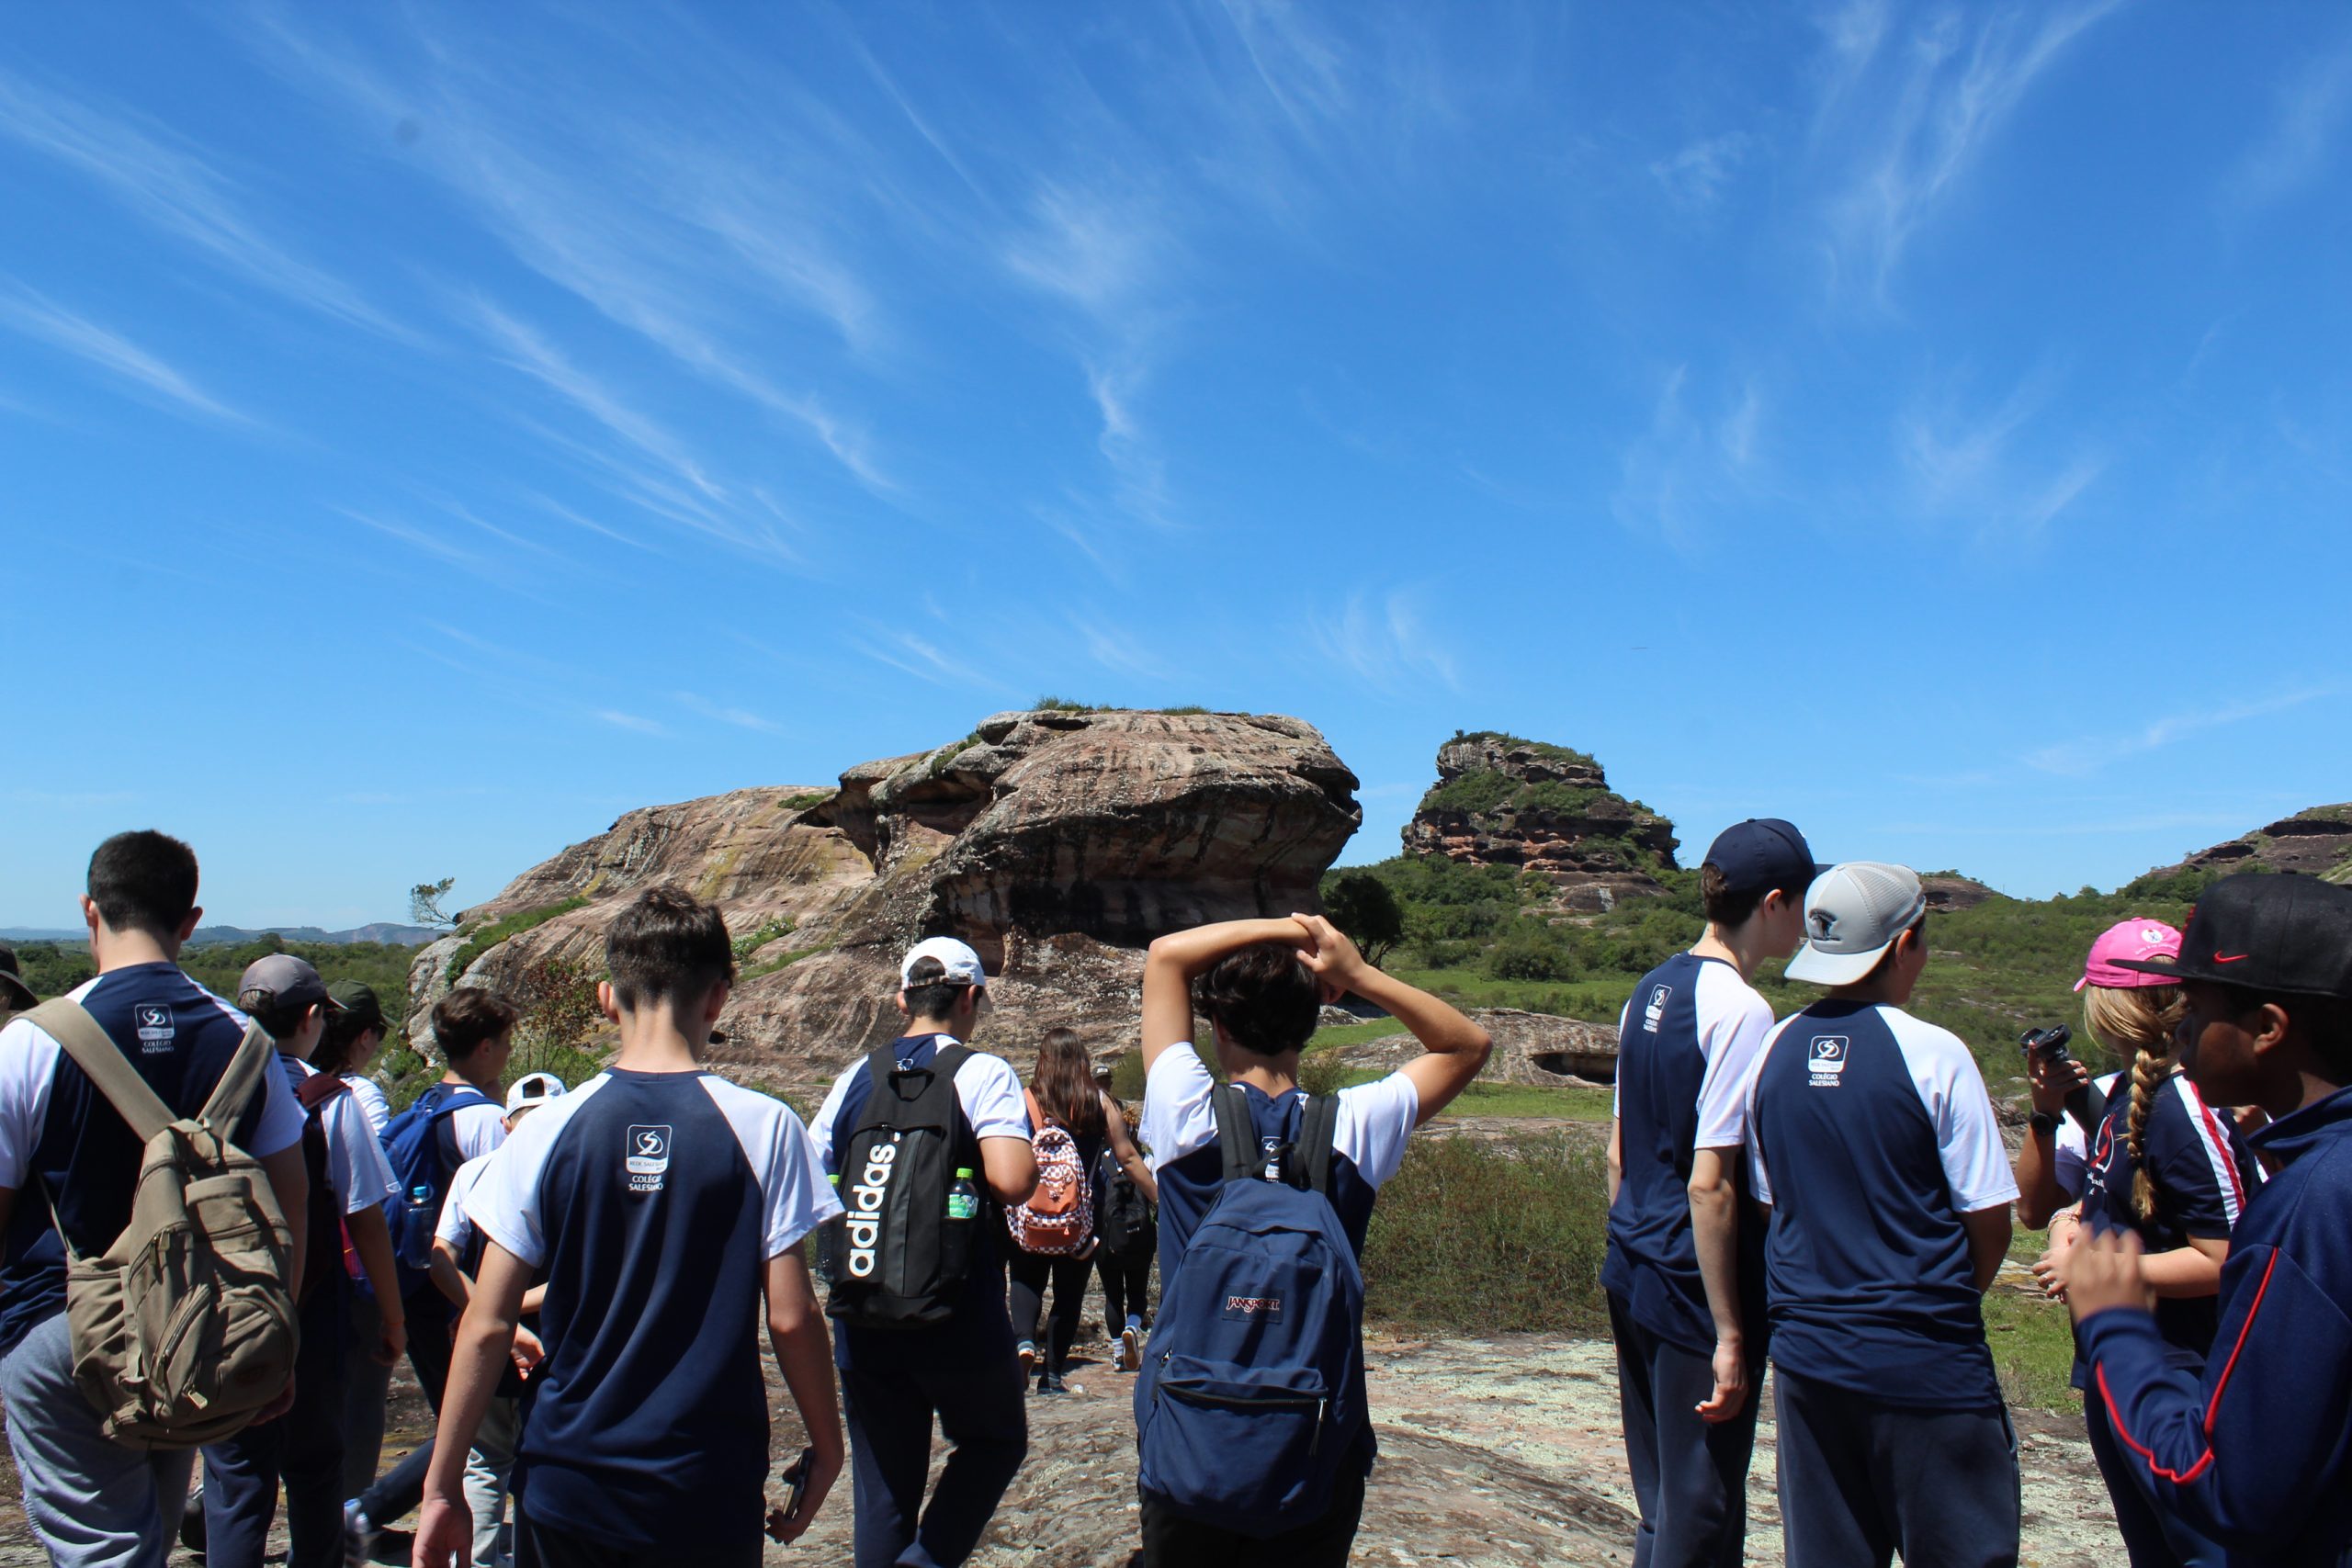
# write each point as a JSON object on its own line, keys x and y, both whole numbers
{"x": 2138, "y": 1020}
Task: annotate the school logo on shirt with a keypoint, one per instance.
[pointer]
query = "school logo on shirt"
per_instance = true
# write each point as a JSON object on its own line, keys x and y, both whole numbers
{"x": 649, "y": 1157}
{"x": 1826, "y": 1059}
{"x": 1654, "y": 1013}
{"x": 156, "y": 1030}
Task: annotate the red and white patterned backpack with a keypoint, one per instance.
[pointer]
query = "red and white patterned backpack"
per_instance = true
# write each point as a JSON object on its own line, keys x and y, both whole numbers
{"x": 1058, "y": 1218}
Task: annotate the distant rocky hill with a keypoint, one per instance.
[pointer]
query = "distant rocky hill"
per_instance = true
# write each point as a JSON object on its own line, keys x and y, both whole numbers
{"x": 2316, "y": 843}
{"x": 232, "y": 936}
{"x": 1502, "y": 800}
{"x": 1057, "y": 844}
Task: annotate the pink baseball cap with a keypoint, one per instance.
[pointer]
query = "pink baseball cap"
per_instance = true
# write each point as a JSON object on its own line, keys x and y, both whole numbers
{"x": 2140, "y": 941}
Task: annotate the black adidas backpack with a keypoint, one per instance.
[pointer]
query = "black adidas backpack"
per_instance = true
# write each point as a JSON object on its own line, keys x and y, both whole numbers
{"x": 896, "y": 1256}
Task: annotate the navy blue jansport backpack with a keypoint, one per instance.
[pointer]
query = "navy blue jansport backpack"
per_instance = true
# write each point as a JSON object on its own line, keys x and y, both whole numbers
{"x": 421, "y": 1147}
{"x": 1250, "y": 1394}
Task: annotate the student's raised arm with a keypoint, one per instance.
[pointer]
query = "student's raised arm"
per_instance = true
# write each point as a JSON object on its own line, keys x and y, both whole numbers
{"x": 1175, "y": 960}
{"x": 1453, "y": 1048}
{"x": 803, "y": 1354}
{"x": 1123, "y": 1148}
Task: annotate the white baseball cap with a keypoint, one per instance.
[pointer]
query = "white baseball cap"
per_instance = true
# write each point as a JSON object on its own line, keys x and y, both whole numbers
{"x": 963, "y": 966}
{"x": 533, "y": 1089}
{"x": 1853, "y": 912}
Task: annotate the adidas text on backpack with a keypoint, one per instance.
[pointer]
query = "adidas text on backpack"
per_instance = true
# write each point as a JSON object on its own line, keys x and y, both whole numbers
{"x": 1058, "y": 1218}
{"x": 184, "y": 1329}
{"x": 897, "y": 1255}
{"x": 1251, "y": 1396}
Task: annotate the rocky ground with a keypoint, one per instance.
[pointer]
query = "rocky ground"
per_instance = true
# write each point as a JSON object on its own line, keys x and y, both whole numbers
{"x": 1495, "y": 1453}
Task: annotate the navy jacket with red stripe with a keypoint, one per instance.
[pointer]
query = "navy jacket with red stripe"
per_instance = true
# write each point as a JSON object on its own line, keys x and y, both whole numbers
{"x": 2257, "y": 1454}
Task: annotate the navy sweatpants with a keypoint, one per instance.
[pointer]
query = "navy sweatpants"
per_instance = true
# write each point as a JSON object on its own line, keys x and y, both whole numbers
{"x": 304, "y": 1446}
{"x": 1861, "y": 1479}
{"x": 980, "y": 1402}
{"x": 1689, "y": 1478}
{"x": 2150, "y": 1539}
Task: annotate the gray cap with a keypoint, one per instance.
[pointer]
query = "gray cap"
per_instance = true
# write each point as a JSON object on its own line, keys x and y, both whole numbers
{"x": 282, "y": 980}
{"x": 1853, "y": 912}
{"x": 12, "y": 980}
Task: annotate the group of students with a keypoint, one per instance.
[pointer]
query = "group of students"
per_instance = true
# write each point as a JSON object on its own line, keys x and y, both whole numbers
{"x": 1832, "y": 1192}
{"x": 580, "y": 1279}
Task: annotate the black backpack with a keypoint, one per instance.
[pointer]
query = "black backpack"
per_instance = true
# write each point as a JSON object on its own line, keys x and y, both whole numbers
{"x": 1123, "y": 1217}
{"x": 895, "y": 1257}
{"x": 324, "y": 1238}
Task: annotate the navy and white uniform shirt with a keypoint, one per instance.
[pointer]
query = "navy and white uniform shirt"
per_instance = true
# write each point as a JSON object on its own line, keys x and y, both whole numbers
{"x": 1685, "y": 1047}
{"x": 2204, "y": 1171}
{"x": 651, "y": 1204}
{"x": 988, "y": 1092}
{"x": 356, "y": 1169}
{"x": 1869, "y": 1136}
{"x": 2071, "y": 1146}
{"x": 60, "y": 1138}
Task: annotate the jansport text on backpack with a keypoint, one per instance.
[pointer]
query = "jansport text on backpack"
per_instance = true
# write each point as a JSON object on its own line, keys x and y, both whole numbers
{"x": 1250, "y": 1394}
{"x": 184, "y": 1329}
{"x": 422, "y": 1148}
{"x": 895, "y": 1257}
{"x": 1058, "y": 1218}
{"x": 1125, "y": 1218}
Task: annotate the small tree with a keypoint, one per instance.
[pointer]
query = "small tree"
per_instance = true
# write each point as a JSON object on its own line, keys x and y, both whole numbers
{"x": 1360, "y": 904}
{"x": 424, "y": 903}
{"x": 561, "y": 1021}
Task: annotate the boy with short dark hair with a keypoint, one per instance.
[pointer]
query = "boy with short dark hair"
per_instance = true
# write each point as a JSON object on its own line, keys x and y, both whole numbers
{"x": 2254, "y": 1453}
{"x": 1684, "y": 1265}
{"x": 91, "y": 1499}
{"x": 1873, "y": 1143}
{"x": 662, "y": 1203}
{"x": 960, "y": 1371}
{"x": 1264, "y": 983}
{"x": 349, "y": 1182}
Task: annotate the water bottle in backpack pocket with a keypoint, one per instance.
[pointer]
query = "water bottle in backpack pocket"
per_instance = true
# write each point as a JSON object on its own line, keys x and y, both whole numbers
{"x": 421, "y": 1145}
{"x": 898, "y": 1255}
{"x": 1251, "y": 1397}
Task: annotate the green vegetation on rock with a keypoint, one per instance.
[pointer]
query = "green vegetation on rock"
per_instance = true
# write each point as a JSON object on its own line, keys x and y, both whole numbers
{"x": 1473, "y": 1237}
{"x": 484, "y": 938}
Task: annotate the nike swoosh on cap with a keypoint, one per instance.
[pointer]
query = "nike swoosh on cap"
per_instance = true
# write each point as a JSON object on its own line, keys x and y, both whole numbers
{"x": 2231, "y": 957}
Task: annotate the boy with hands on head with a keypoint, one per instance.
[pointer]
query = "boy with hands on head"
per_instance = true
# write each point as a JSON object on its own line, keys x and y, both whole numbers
{"x": 1263, "y": 983}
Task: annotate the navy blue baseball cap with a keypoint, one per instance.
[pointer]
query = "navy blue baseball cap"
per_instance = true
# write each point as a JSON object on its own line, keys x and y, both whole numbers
{"x": 1762, "y": 853}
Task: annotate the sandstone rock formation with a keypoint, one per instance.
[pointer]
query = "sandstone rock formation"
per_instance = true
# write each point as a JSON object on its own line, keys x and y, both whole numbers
{"x": 1948, "y": 891}
{"x": 2317, "y": 842}
{"x": 1501, "y": 800}
{"x": 1530, "y": 1048}
{"x": 1057, "y": 844}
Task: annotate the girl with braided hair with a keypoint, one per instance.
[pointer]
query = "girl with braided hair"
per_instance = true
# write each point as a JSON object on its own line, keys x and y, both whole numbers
{"x": 2171, "y": 1168}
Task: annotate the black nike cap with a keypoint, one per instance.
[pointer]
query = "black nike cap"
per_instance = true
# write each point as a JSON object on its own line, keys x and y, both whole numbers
{"x": 2268, "y": 931}
{"x": 1762, "y": 853}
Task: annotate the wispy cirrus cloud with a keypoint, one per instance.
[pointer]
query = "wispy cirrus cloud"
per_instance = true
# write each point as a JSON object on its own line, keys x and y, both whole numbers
{"x": 36, "y": 317}
{"x": 2088, "y": 754}
{"x": 1382, "y": 640}
{"x": 1965, "y": 461}
{"x": 635, "y": 723}
{"x": 924, "y": 660}
{"x": 1695, "y": 175}
{"x": 1695, "y": 463}
{"x": 171, "y": 188}
{"x": 2308, "y": 121}
{"x": 1915, "y": 120}
{"x": 719, "y": 713}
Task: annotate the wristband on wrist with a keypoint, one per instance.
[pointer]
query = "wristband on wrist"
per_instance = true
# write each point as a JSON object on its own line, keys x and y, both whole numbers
{"x": 2044, "y": 1123}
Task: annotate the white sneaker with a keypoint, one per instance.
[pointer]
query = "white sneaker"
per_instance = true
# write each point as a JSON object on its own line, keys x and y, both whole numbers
{"x": 1130, "y": 1348}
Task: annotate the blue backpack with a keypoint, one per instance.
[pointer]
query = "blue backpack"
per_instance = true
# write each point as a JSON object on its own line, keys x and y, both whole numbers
{"x": 1251, "y": 1396}
{"x": 421, "y": 1147}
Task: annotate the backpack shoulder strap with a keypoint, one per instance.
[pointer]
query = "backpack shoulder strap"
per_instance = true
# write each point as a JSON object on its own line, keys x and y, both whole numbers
{"x": 1319, "y": 1132}
{"x": 94, "y": 1051}
{"x": 1038, "y": 1120}
{"x": 240, "y": 1082}
{"x": 320, "y": 1088}
{"x": 1235, "y": 1132}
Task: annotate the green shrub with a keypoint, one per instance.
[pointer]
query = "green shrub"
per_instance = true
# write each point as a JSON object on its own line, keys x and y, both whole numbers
{"x": 803, "y": 802}
{"x": 770, "y": 965}
{"x": 1531, "y": 951}
{"x": 1477, "y": 1238}
{"x": 487, "y": 937}
{"x": 751, "y": 941}
{"x": 1362, "y": 904}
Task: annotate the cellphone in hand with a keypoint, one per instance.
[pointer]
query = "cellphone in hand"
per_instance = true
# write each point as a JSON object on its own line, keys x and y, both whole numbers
{"x": 795, "y": 1482}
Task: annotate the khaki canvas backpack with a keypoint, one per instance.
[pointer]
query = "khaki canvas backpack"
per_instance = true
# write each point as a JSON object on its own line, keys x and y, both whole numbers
{"x": 183, "y": 1330}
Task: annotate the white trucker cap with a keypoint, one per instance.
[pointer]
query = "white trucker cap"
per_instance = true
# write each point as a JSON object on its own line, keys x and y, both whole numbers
{"x": 1853, "y": 912}
{"x": 963, "y": 966}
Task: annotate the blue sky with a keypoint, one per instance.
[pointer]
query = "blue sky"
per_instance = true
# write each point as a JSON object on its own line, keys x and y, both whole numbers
{"x": 431, "y": 431}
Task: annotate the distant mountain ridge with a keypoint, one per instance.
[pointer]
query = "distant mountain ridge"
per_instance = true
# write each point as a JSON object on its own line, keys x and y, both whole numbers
{"x": 384, "y": 931}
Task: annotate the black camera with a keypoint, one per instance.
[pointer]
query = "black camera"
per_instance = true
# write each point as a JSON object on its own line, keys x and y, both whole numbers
{"x": 2048, "y": 1043}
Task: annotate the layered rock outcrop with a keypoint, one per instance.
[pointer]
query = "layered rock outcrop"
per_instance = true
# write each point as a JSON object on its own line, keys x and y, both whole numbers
{"x": 1057, "y": 844}
{"x": 1529, "y": 1048}
{"x": 1502, "y": 800}
{"x": 2316, "y": 843}
{"x": 1948, "y": 891}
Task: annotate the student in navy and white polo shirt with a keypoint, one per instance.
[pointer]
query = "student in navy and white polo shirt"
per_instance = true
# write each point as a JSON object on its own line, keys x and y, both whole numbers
{"x": 1875, "y": 1147}
{"x": 89, "y": 1498}
{"x": 1264, "y": 983}
{"x": 663, "y": 1205}
{"x": 1685, "y": 1265}
{"x": 962, "y": 1372}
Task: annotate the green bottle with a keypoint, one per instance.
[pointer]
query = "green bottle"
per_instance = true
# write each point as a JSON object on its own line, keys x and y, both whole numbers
{"x": 963, "y": 1199}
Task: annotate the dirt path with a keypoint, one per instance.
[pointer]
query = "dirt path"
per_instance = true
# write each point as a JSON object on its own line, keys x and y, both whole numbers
{"x": 1495, "y": 1453}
